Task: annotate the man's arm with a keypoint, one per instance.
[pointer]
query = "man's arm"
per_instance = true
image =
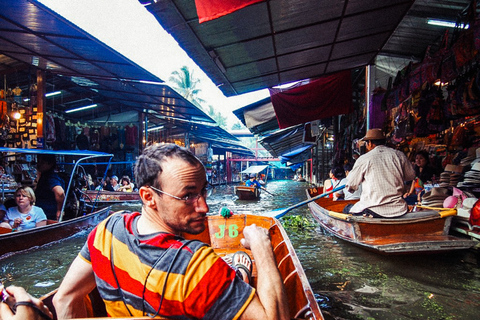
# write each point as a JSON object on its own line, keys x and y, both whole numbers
{"x": 270, "y": 301}
{"x": 59, "y": 198}
{"x": 77, "y": 283}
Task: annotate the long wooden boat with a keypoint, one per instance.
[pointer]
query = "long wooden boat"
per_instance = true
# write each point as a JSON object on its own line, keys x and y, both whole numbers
{"x": 223, "y": 235}
{"x": 53, "y": 231}
{"x": 111, "y": 197}
{"x": 74, "y": 218}
{"x": 463, "y": 226}
{"x": 247, "y": 193}
{"x": 415, "y": 232}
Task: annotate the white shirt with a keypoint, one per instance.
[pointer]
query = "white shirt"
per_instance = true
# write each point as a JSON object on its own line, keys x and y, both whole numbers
{"x": 382, "y": 173}
{"x": 29, "y": 220}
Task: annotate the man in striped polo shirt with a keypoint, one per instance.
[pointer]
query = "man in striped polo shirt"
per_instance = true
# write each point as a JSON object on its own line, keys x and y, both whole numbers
{"x": 143, "y": 267}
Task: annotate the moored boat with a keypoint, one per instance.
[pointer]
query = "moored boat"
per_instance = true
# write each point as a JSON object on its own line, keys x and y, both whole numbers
{"x": 462, "y": 225}
{"x": 247, "y": 193}
{"x": 415, "y": 232}
{"x": 223, "y": 235}
{"x": 103, "y": 197}
{"x": 74, "y": 218}
{"x": 53, "y": 231}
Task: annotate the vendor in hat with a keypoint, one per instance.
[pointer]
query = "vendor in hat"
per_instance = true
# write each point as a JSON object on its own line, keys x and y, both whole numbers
{"x": 382, "y": 172}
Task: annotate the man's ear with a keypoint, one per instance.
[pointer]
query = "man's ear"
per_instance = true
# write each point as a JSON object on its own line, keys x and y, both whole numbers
{"x": 146, "y": 194}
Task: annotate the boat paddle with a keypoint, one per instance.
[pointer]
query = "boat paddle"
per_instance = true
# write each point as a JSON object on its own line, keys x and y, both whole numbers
{"x": 267, "y": 191}
{"x": 278, "y": 213}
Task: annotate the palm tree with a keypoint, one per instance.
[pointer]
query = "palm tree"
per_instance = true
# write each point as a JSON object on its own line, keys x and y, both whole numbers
{"x": 186, "y": 85}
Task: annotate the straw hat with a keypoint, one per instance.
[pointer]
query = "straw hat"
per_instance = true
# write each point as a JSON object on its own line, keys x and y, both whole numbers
{"x": 435, "y": 197}
{"x": 374, "y": 134}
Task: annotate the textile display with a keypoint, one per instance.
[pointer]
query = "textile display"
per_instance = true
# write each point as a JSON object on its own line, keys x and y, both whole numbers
{"x": 212, "y": 9}
{"x": 321, "y": 98}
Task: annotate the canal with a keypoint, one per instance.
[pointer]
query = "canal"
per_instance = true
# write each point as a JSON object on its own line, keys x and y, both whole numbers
{"x": 348, "y": 282}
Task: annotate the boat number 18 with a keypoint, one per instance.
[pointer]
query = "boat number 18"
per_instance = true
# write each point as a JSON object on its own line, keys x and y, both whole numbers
{"x": 232, "y": 231}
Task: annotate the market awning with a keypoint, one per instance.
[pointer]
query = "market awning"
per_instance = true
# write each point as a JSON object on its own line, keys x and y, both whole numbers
{"x": 258, "y": 117}
{"x": 275, "y": 42}
{"x": 80, "y": 67}
{"x": 254, "y": 169}
{"x": 288, "y": 140}
{"x": 301, "y": 154}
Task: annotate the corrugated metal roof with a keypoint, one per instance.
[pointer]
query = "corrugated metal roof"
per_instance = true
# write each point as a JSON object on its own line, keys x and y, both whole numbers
{"x": 279, "y": 41}
{"x": 87, "y": 71}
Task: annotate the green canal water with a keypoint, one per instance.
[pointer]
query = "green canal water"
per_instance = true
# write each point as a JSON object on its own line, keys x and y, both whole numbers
{"x": 348, "y": 282}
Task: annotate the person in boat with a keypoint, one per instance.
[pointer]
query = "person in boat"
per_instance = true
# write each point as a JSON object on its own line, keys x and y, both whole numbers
{"x": 382, "y": 172}
{"x": 126, "y": 185}
{"x": 50, "y": 189}
{"x": 423, "y": 173}
{"x": 114, "y": 182}
{"x": 25, "y": 215}
{"x": 27, "y": 307}
{"x": 3, "y": 212}
{"x": 252, "y": 182}
{"x": 142, "y": 265}
{"x": 344, "y": 193}
{"x": 336, "y": 175}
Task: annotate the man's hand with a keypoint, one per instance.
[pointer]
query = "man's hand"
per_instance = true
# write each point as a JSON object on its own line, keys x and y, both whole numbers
{"x": 28, "y": 308}
{"x": 253, "y": 235}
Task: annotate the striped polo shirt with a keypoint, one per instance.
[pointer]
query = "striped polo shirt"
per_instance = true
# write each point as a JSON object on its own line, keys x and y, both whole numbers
{"x": 161, "y": 274}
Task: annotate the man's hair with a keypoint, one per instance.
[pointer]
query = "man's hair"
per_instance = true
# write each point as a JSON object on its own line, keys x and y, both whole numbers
{"x": 338, "y": 172}
{"x": 379, "y": 142}
{"x": 48, "y": 158}
{"x": 148, "y": 167}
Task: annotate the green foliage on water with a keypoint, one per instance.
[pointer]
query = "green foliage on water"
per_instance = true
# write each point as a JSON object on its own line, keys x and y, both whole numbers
{"x": 297, "y": 223}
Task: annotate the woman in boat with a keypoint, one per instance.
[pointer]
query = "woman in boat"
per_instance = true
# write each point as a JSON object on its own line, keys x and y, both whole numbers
{"x": 336, "y": 175}
{"x": 344, "y": 194}
{"x": 25, "y": 215}
{"x": 423, "y": 173}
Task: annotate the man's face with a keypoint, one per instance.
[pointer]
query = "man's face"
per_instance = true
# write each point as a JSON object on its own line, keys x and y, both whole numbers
{"x": 369, "y": 145}
{"x": 114, "y": 182}
{"x": 179, "y": 178}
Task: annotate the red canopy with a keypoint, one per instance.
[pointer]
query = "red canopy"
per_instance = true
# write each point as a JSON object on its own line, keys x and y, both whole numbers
{"x": 212, "y": 9}
{"x": 322, "y": 98}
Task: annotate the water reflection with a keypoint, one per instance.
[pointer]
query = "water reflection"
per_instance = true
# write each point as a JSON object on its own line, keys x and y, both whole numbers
{"x": 349, "y": 282}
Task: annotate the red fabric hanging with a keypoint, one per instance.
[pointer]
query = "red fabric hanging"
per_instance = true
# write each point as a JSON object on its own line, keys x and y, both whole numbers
{"x": 322, "y": 98}
{"x": 212, "y": 9}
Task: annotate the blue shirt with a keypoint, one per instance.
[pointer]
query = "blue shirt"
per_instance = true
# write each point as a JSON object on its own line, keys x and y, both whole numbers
{"x": 44, "y": 193}
{"x": 254, "y": 183}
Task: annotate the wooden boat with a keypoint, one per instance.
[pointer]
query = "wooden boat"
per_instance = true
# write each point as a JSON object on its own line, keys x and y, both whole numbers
{"x": 416, "y": 232}
{"x": 104, "y": 197}
{"x": 78, "y": 216}
{"x": 247, "y": 193}
{"x": 463, "y": 226}
{"x": 223, "y": 236}
{"x": 53, "y": 231}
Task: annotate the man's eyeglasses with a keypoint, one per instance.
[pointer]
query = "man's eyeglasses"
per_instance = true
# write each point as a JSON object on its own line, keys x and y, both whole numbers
{"x": 189, "y": 199}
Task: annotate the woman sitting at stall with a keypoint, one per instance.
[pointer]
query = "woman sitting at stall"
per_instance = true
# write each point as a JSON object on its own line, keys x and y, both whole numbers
{"x": 423, "y": 173}
{"x": 25, "y": 215}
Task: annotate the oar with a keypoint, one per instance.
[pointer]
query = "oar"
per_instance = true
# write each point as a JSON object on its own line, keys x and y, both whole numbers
{"x": 267, "y": 191}
{"x": 278, "y": 213}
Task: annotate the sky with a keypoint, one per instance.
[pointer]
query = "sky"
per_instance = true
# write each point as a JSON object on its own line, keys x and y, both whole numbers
{"x": 127, "y": 27}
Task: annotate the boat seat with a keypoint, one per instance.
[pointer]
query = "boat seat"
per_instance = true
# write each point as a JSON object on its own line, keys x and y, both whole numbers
{"x": 408, "y": 216}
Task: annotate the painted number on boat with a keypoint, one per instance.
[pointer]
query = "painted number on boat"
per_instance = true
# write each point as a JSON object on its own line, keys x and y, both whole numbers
{"x": 232, "y": 231}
